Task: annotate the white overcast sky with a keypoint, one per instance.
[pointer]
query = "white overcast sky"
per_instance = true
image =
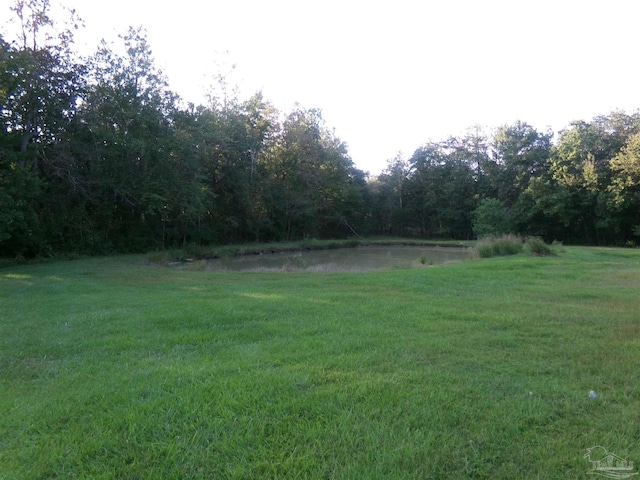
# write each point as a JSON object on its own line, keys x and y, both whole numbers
{"x": 392, "y": 75}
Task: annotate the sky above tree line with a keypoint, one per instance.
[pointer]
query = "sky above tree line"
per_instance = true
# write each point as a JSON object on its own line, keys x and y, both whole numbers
{"x": 392, "y": 75}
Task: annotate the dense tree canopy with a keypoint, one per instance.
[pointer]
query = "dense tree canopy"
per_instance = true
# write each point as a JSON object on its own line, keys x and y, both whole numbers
{"x": 100, "y": 156}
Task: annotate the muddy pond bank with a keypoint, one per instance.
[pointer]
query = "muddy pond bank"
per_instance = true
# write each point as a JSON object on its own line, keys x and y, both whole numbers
{"x": 360, "y": 258}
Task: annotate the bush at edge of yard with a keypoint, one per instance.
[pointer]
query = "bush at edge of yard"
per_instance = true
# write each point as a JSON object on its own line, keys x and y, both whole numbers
{"x": 499, "y": 246}
{"x": 537, "y": 247}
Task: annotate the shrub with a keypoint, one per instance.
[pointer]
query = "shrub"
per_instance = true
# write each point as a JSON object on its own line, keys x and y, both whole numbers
{"x": 536, "y": 246}
{"x": 491, "y": 218}
{"x": 499, "y": 246}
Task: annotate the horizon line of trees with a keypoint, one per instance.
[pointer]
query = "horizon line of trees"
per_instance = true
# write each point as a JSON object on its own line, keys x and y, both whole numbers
{"x": 584, "y": 187}
{"x": 99, "y": 155}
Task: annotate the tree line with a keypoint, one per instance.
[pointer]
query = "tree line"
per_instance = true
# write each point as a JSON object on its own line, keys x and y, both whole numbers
{"x": 584, "y": 187}
{"x": 98, "y": 155}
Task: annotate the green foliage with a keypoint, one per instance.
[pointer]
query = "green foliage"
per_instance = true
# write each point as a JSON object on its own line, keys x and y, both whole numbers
{"x": 499, "y": 246}
{"x": 131, "y": 171}
{"x": 431, "y": 195}
{"x": 100, "y": 156}
{"x": 491, "y": 218}
{"x": 587, "y": 172}
{"x": 522, "y": 154}
{"x": 20, "y": 229}
{"x": 537, "y": 247}
{"x": 422, "y": 260}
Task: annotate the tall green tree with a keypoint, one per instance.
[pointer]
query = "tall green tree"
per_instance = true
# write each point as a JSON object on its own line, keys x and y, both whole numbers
{"x": 41, "y": 85}
{"x": 581, "y": 166}
{"x": 41, "y": 82}
{"x": 491, "y": 218}
{"x": 521, "y": 153}
{"x": 311, "y": 179}
{"x": 440, "y": 191}
{"x": 124, "y": 149}
{"x": 423, "y": 189}
{"x": 393, "y": 216}
{"x": 624, "y": 188}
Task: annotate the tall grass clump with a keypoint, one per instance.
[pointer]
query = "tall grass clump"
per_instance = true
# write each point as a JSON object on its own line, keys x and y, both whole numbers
{"x": 538, "y": 248}
{"x": 499, "y": 246}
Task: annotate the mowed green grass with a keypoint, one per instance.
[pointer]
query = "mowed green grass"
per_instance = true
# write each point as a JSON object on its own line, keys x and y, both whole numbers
{"x": 117, "y": 368}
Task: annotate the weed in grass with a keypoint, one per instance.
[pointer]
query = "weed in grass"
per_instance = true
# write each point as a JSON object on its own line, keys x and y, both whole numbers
{"x": 423, "y": 260}
{"x": 296, "y": 262}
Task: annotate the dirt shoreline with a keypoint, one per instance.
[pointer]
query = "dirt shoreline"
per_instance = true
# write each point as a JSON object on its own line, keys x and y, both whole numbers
{"x": 330, "y": 246}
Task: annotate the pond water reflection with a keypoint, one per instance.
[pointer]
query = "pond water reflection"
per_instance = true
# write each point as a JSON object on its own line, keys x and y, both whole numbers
{"x": 360, "y": 259}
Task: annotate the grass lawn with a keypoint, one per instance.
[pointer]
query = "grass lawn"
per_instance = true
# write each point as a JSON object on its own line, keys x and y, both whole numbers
{"x": 119, "y": 368}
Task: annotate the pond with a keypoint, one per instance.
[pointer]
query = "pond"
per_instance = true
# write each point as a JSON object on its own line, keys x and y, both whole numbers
{"x": 359, "y": 259}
